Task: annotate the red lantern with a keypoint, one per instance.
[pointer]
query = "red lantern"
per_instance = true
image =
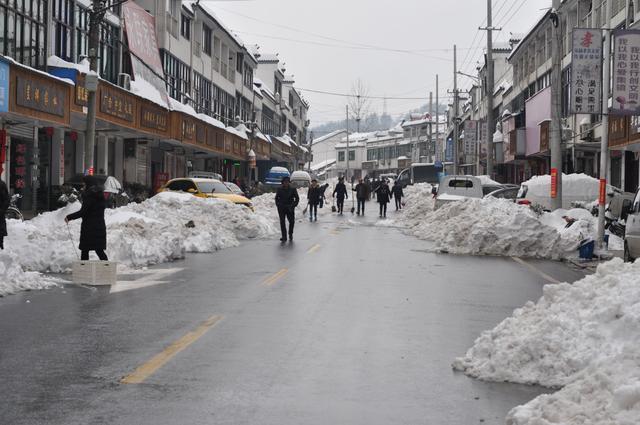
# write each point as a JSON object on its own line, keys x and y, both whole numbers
{"x": 48, "y": 131}
{"x": 73, "y": 136}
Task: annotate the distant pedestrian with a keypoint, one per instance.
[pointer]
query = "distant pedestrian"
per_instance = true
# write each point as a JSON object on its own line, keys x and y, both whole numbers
{"x": 93, "y": 231}
{"x": 314, "y": 195}
{"x": 287, "y": 200}
{"x": 384, "y": 196}
{"x": 340, "y": 193}
{"x": 4, "y": 206}
{"x": 397, "y": 193}
{"x": 374, "y": 186}
{"x": 367, "y": 181}
{"x": 323, "y": 197}
{"x": 362, "y": 193}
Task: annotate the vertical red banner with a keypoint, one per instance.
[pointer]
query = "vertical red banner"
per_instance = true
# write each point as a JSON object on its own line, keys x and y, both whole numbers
{"x": 554, "y": 182}
{"x": 603, "y": 192}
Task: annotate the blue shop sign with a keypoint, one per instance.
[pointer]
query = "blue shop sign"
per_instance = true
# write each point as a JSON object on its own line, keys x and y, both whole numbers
{"x": 4, "y": 86}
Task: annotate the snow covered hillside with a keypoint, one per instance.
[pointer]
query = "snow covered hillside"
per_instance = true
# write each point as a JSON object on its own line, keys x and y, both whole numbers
{"x": 138, "y": 235}
{"x": 584, "y": 337}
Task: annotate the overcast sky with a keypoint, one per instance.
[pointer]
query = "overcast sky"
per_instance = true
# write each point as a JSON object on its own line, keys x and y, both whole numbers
{"x": 395, "y": 46}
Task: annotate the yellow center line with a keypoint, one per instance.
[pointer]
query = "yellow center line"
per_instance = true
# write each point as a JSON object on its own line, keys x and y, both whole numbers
{"x": 313, "y": 249}
{"x": 152, "y": 365}
{"x": 274, "y": 278}
{"x": 536, "y": 270}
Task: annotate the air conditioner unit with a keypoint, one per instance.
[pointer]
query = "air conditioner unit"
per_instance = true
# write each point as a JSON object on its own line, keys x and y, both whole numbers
{"x": 586, "y": 132}
{"x": 124, "y": 81}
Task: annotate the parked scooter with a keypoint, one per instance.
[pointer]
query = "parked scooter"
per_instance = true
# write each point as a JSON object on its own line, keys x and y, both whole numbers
{"x": 69, "y": 196}
{"x": 13, "y": 212}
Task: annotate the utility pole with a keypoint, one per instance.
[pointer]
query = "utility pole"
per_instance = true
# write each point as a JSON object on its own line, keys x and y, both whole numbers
{"x": 430, "y": 127}
{"x": 491, "y": 128}
{"x": 435, "y": 148}
{"x": 556, "y": 109}
{"x": 347, "y": 174}
{"x": 604, "y": 140}
{"x": 96, "y": 16}
{"x": 310, "y": 151}
{"x": 455, "y": 110}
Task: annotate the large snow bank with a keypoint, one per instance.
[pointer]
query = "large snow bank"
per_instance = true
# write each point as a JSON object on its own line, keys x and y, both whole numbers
{"x": 583, "y": 337}
{"x": 152, "y": 232}
{"x": 486, "y": 226}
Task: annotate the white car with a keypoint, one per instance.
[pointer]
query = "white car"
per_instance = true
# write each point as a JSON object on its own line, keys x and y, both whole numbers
{"x": 300, "y": 179}
{"x": 632, "y": 231}
{"x": 457, "y": 188}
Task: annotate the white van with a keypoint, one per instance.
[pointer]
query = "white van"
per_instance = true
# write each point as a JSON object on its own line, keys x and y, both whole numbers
{"x": 457, "y": 188}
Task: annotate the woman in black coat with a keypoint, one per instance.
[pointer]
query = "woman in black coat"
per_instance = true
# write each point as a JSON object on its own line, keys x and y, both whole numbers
{"x": 93, "y": 231}
{"x": 4, "y": 205}
{"x": 383, "y": 193}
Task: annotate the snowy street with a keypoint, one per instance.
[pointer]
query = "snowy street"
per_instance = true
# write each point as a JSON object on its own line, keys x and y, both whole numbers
{"x": 352, "y": 323}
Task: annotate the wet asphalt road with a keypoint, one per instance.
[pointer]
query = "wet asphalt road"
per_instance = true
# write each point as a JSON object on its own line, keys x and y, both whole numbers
{"x": 350, "y": 324}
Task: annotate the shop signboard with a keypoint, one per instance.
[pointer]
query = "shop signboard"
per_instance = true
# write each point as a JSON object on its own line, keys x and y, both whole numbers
{"x": 116, "y": 104}
{"x": 39, "y": 96}
{"x": 4, "y": 86}
{"x": 448, "y": 154}
{"x": 586, "y": 71}
{"x": 143, "y": 46}
{"x": 626, "y": 73}
{"x": 470, "y": 137}
{"x": 154, "y": 118}
{"x": 19, "y": 165}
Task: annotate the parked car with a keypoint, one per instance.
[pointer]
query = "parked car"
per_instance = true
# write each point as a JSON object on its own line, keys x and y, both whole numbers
{"x": 632, "y": 232}
{"x": 421, "y": 173}
{"x": 275, "y": 175}
{"x": 505, "y": 192}
{"x": 205, "y": 188}
{"x": 457, "y": 188}
{"x": 300, "y": 179}
{"x": 113, "y": 191}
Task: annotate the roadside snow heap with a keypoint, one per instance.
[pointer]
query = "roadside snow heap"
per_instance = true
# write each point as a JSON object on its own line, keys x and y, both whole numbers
{"x": 138, "y": 235}
{"x": 583, "y": 338}
{"x": 492, "y": 227}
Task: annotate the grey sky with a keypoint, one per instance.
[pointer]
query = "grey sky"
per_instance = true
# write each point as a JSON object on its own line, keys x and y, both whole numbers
{"x": 317, "y": 56}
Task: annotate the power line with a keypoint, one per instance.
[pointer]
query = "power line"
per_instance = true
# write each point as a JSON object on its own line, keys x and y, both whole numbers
{"x": 364, "y": 97}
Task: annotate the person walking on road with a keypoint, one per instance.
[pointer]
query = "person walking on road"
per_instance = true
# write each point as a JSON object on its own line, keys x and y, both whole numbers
{"x": 362, "y": 193}
{"x": 93, "y": 231}
{"x": 4, "y": 206}
{"x": 397, "y": 193}
{"x": 287, "y": 200}
{"x": 314, "y": 196}
{"x": 323, "y": 198}
{"x": 340, "y": 193}
{"x": 384, "y": 196}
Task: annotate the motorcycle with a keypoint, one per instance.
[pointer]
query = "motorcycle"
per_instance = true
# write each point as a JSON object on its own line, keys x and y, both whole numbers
{"x": 69, "y": 196}
{"x": 13, "y": 212}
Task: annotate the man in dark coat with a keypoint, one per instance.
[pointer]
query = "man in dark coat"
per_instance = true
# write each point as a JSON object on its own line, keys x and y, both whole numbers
{"x": 314, "y": 195}
{"x": 384, "y": 196}
{"x": 4, "y": 205}
{"x": 323, "y": 189}
{"x": 397, "y": 193}
{"x": 362, "y": 194}
{"x": 340, "y": 193}
{"x": 93, "y": 231}
{"x": 287, "y": 200}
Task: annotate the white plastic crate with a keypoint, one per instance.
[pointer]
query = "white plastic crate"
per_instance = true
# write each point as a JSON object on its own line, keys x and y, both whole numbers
{"x": 94, "y": 272}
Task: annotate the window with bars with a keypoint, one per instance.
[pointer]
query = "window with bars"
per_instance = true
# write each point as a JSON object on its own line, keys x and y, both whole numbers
{"x": 202, "y": 91}
{"x": 178, "y": 76}
{"x": 269, "y": 125}
{"x": 185, "y": 27}
{"x": 23, "y": 31}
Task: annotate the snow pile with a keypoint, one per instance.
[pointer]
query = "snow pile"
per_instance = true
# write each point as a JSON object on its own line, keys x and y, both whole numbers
{"x": 138, "y": 235}
{"x": 583, "y": 337}
{"x": 13, "y": 278}
{"x": 574, "y": 185}
{"x": 483, "y": 226}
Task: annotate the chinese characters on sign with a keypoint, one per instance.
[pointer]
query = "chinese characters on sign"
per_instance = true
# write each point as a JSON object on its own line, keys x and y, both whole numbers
{"x": 188, "y": 130}
{"x": 82, "y": 94}
{"x": 40, "y": 96}
{"x": 586, "y": 72}
{"x": 4, "y": 87}
{"x": 19, "y": 166}
{"x": 626, "y": 72}
{"x": 470, "y": 137}
{"x": 153, "y": 118}
{"x": 116, "y": 104}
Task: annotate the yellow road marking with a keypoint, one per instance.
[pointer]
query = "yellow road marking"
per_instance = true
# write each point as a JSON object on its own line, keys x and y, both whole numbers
{"x": 151, "y": 366}
{"x": 274, "y": 278}
{"x": 334, "y": 232}
{"x": 535, "y": 270}
{"x": 313, "y": 249}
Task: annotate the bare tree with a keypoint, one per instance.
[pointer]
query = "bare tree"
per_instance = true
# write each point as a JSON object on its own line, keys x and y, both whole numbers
{"x": 359, "y": 101}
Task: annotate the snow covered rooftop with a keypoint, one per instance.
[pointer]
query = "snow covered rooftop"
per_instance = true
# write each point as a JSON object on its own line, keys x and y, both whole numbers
{"x": 323, "y": 164}
{"x": 329, "y": 136}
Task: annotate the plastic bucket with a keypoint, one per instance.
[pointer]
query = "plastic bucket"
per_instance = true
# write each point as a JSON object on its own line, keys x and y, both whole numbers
{"x": 586, "y": 249}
